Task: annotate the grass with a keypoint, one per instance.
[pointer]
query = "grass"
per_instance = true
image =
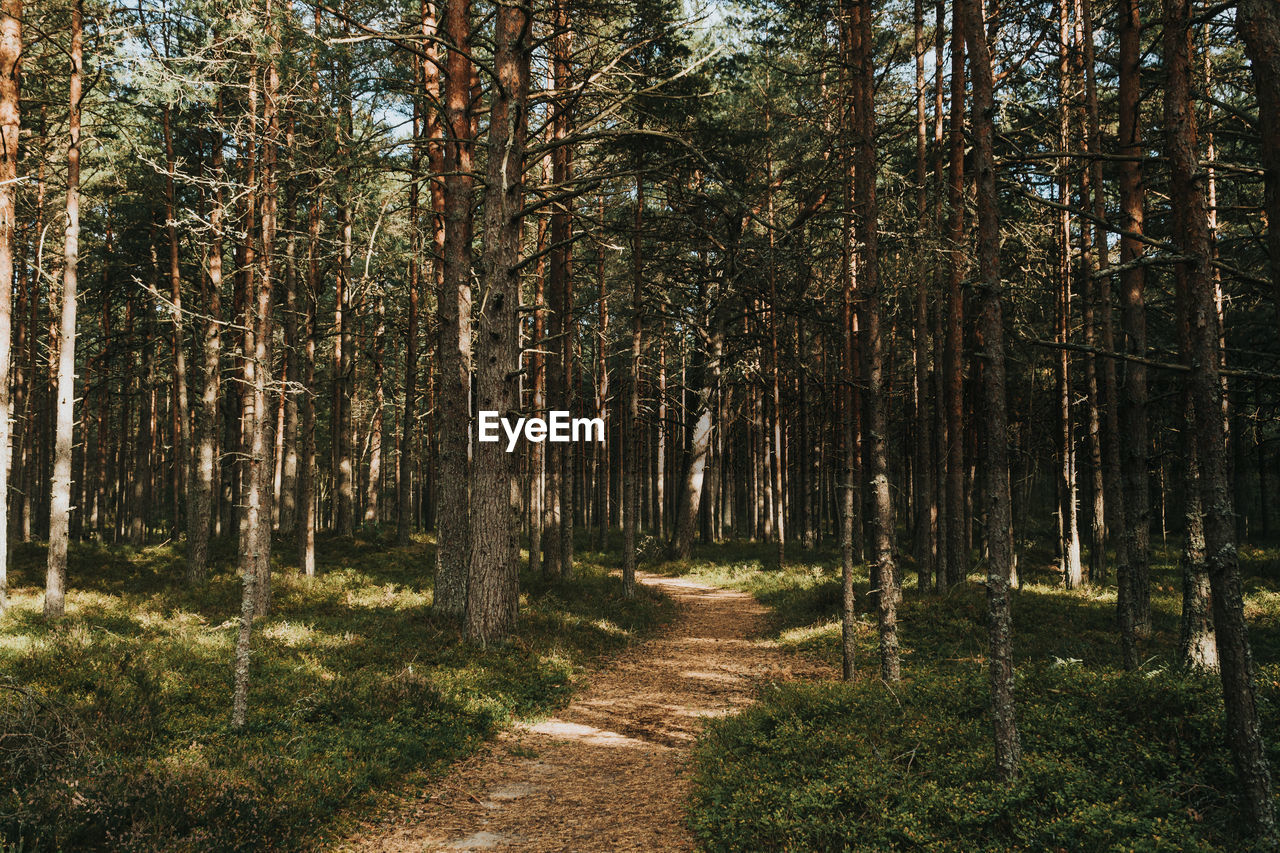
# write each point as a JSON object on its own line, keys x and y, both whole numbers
{"x": 1113, "y": 760}
{"x": 114, "y": 721}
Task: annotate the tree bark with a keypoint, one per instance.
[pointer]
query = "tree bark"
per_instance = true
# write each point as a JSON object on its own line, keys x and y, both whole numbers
{"x": 307, "y": 504}
{"x": 255, "y": 531}
{"x": 1191, "y": 230}
{"x": 343, "y": 479}
{"x": 700, "y": 442}
{"x": 561, "y": 262}
{"x": 453, "y": 552}
{"x": 307, "y": 509}
{"x": 429, "y": 129}
{"x": 493, "y": 582}
{"x": 1068, "y": 518}
{"x": 1104, "y": 413}
{"x": 200, "y": 514}
{"x": 632, "y": 427}
{"x": 539, "y": 518}
{"x": 373, "y": 489}
{"x": 182, "y": 422}
{"x": 60, "y": 495}
{"x": 1258, "y": 25}
{"x": 287, "y": 497}
{"x": 925, "y": 509}
{"x": 10, "y": 121}
{"x": 885, "y": 574}
{"x": 1133, "y": 598}
{"x": 604, "y": 468}
{"x": 995, "y": 450}
{"x": 957, "y": 553}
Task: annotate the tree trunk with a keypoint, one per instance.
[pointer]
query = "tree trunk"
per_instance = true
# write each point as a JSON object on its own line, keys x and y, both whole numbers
{"x": 696, "y": 459}
{"x": 1068, "y": 520}
{"x": 287, "y": 499}
{"x": 1191, "y": 232}
{"x": 255, "y": 547}
{"x": 995, "y": 450}
{"x": 307, "y": 508}
{"x": 632, "y": 430}
{"x": 885, "y": 574}
{"x": 493, "y": 582}
{"x": 343, "y": 471}
{"x": 1133, "y": 594}
{"x": 429, "y": 128}
{"x": 1197, "y": 646}
{"x": 957, "y": 554}
{"x": 1106, "y": 453}
{"x": 552, "y": 378}
{"x": 453, "y": 552}
{"x": 538, "y": 516}
{"x": 60, "y": 496}
{"x": 373, "y": 489}
{"x": 200, "y": 513}
{"x": 182, "y": 432}
{"x": 561, "y": 262}
{"x": 925, "y": 505}
{"x": 10, "y": 54}
{"x": 1258, "y": 25}
{"x": 262, "y": 438}
{"x": 604, "y": 468}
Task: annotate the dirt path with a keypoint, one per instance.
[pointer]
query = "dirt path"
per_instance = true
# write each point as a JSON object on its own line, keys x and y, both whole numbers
{"x": 609, "y": 771}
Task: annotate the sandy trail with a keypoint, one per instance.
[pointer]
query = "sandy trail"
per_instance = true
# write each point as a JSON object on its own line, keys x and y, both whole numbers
{"x": 609, "y": 772}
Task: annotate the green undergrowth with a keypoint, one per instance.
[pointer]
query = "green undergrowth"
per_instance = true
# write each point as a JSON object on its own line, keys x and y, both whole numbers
{"x": 114, "y": 727}
{"x": 1112, "y": 760}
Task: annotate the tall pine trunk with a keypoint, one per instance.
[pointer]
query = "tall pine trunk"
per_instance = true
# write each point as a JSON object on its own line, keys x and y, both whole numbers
{"x": 925, "y": 507}
{"x": 255, "y": 508}
{"x": 308, "y": 510}
{"x": 1133, "y": 595}
{"x": 876, "y": 377}
{"x": 630, "y": 481}
{"x": 1258, "y": 25}
{"x": 957, "y": 552}
{"x": 200, "y": 513}
{"x": 995, "y": 446}
{"x": 696, "y": 460}
{"x": 1068, "y": 520}
{"x": 493, "y": 582}
{"x": 453, "y": 528}
{"x": 182, "y": 488}
{"x": 60, "y": 494}
{"x": 1191, "y": 233}
{"x": 10, "y": 121}
{"x": 561, "y": 263}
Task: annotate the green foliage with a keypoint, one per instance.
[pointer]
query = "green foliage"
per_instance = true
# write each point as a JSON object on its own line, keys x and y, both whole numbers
{"x": 1113, "y": 760}
{"x": 115, "y": 721}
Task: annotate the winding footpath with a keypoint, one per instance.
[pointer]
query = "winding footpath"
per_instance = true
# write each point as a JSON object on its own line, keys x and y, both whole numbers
{"x": 610, "y": 771}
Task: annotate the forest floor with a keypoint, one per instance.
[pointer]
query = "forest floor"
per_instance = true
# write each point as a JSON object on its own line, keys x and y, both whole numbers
{"x": 1112, "y": 760}
{"x": 116, "y": 717}
{"x": 610, "y": 770}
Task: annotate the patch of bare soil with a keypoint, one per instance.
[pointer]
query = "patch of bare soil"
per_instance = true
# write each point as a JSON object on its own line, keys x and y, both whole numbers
{"x": 610, "y": 771}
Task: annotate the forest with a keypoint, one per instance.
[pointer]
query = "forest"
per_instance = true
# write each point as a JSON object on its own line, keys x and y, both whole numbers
{"x": 639, "y": 425}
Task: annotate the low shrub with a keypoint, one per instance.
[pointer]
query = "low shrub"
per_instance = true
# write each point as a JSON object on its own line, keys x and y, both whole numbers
{"x": 1113, "y": 761}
